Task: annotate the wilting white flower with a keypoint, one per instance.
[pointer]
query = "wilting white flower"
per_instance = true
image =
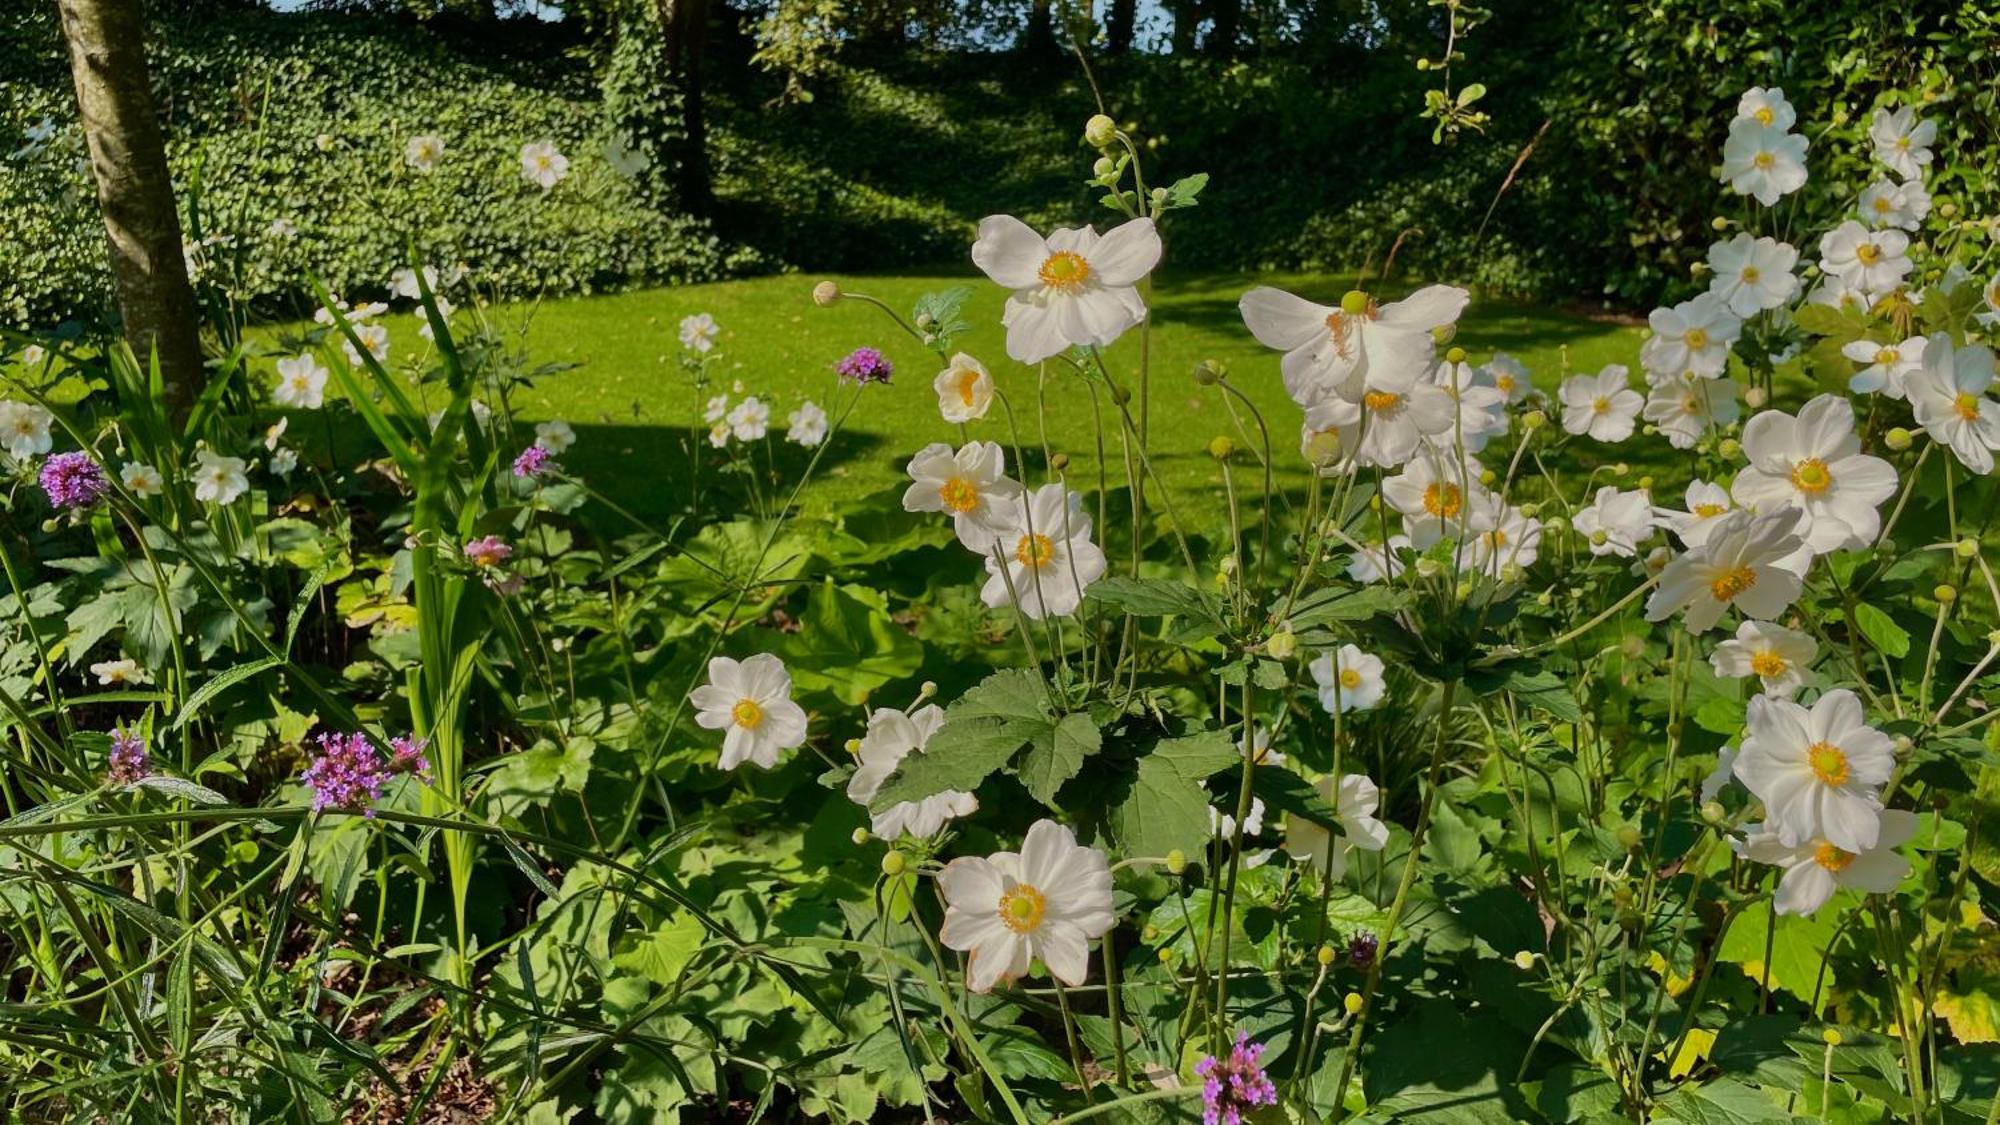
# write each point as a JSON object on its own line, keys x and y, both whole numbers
{"x": 1508, "y": 376}
{"x": 806, "y": 426}
{"x": 24, "y": 429}
{"x": 1815, "y": 461}
{"x": 217, "y": 479}
{"x": 1686, "y": 408}
{"x": 971, "y": 486}
{"x": 1615, "y": 522}
{"x": 1902, "y": 143}
{"x": 699, "y": 332}
{"x": 1049, "y": 559}
{"x": 555, "y": 435}
{"x": 1354, "y": 799}
{"x": 1434, "y": 495}
{"x": 1777, "y": 656}
{"x": 1765, "y": 107}
{"x": 1693, "y": 336}
{"x": 1888, "y": 204}
{"x": 751, "y": 700}
{"x": 893, "y": 736}
{"x": 1873, "y": 261}
{"x": 1819, "y": 772}
{"x": 1948, "y": 397}
{"x": 750, "y": 419}
{"x": 1347, "y": 349}
{"x": 1888, "y": 365}
{"x": 1746, "y": 563}
{"x": 1815, "y": 869}
{"x": 284, "y": 461}
{"x": 626, "y": 158}
{"x": 1753, "y": 274}
{"x": 1763, "y": 161}
{"x": 1481, "y": 407}
{"x": 1046, "y": 903}
{"x": 1348, "y": 679}
{"x": 542, "y": 165}
{"x": 1071, "y": 289}
{"x": 301, "y": 382}
{"x": 114, "y": 672}
{"x": 1601, "y": 405}
{"x": 141, "y": 479}
{"x": 1706, "y": 503}
{"x": 964, "y": 390}
{"x": 423, "y": 151}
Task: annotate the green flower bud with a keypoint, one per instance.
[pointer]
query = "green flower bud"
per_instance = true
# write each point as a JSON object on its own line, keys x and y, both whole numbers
{"x": 826, "y": 293}
{"x": 1967, "y": 548}
{"x": 1729, "y": 449}
{"x": 1176, "y": 862}
{"x": 1282, "y": 645}
{"x": 892, "y": 864}
{"x": 1100, "y": 131}
{"x": 1897, "y": 439}
{"x": 1221, "y": 447}
{"x": 1455, "y": 356}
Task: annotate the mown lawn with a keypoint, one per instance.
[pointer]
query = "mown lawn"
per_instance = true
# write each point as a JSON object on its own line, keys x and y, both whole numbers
{"x": 634, "y": 408}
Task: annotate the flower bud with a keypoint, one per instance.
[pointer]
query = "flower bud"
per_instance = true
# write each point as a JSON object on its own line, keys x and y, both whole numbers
{"x": 928, "y": 689}
{"x": 1556, "y": 525}
{"x": 1176, "y": 862}
{"x": 1897, "y": 439}
{"x": 1729, "y": 449}
{"x": 1104, "y": 167}
{"x": 1646, "y": 484}
{"x": 861, "y": 836}
{"x": 853, "y": 746}
{"x": 1326, "y": 955}
{"x": 1620, "y": 469}
{"x": 1628, "y": 836}
{"x": 1534, "y": 420}
{"x": 1428, "y": 568}
{"x": 1830, "y": 1037}
{"x": 892, "y": 863}
{"x": 1524, "y": 960}
{"x": 1947, "y": 209}
{"x": 825, "y": 293}
{"x": 1059, "y": 462}
{"x": 1100, "y": 131}
{"x": 1967, "y": 548}
{"x": 1945, "y": 594}
{"x": 1754, "y": 397}
{"x": 1354, "y": 302}
{"x": 1455, "y": 356}
{"x": 1718, "y": 224}
{"x": 1221, "y": 447}
{"x": 1488, "y": 477}
{"x": 1208, "y": 373}
{"x": 1713, "y": 812}
{"x": 1463, "y": 590}
{"x": 1283, "y": 645}
{"x": 1166, "y": 955}
{"x": 1353, "y": 1003}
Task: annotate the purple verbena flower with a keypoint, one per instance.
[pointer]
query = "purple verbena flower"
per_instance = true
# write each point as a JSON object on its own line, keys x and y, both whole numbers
{"x": 1235, "y": 1086}
{"x": 347, "y": 774}
{"x": 1361, "y": 949}
{"x": 531, "y": 462}
{"x": 129, "y": 763}
{"x": 406, "y": 755}
{"x": 488, "y": 551}
{"x": 865, "y": 365}
{"x": 73, "y": 480}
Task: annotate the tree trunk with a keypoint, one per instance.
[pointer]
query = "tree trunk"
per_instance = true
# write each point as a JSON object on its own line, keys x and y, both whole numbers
{"x": 1222, "y": 34}
{"x": 128, "y": 161}
{"x": 1187, "y": 20}
{"x": 686, "y": 25}
{"x": 1120, "y": 25}
{"x": 1040, "y": 39}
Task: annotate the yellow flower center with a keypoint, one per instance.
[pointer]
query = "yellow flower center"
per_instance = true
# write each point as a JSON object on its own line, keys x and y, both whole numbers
{"x": 968, "y": 381}
{"x": 1902, "y": 144}
{"x": 1021, "y": 908}
{"x": 1697, "y": 338}
{"x": 1882, "y": 205}
{"x": 1768, "y": 664}
{"x": 1379, "y": 401}
{"x": 1827, "y": 762}
{"x": 1600, "y": 405}
{"x": 959, "y": 494}
{"x": 1750, "y": 275}
{"x": 1690, "y": 404}
{"x": 1764, "y": 115}
{"x": 1035, "y": 550}
{"x": 1443, "y": 499}
{"x": 1967, "y": 406}
{"x": 1065, "y": 270}
{"x": 1887, "y": 356}
{"x": 747, "y": 714}
{"x": 1350, "y": 679}
{"x": 1867, "y": 253}
{"x": 1496, "y": 539}
{"x": 1832, "y": 858}
{"x": 1764, "y": 160}
{"x": 1732, "y": 583}
{"x": 1505, "y": 383}
{"x": 1810, "y": 475}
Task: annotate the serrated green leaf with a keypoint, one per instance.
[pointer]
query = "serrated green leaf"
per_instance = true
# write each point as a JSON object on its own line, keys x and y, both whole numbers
{"x": 981, "y": 732}
{"x": 1889, "y": 638}
{"x": 1053, "y": 759}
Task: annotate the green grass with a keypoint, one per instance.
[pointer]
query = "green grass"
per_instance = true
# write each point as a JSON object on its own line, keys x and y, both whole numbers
{"x": 633, "y": 408}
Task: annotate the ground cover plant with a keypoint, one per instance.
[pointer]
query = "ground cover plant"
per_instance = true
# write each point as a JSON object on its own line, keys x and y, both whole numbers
{"x": 1601, "y": 738}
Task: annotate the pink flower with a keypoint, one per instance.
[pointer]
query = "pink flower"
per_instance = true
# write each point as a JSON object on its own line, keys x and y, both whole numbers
{"x": 488, "y": 551}
{"x": 1232, "y": 1088}
{"x": 347, "y": 774}
{"x": 129, "y": 763}
{"x": 532, "y": 461}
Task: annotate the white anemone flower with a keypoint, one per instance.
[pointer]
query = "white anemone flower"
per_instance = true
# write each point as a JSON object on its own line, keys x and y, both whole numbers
{"x": 1346, "y": 349}
{"x": 1046, "y": 903}
{"x": 1390, "y": 422}
{"x": 1763, "y": 161}
{"x": 403, "y": 282}
{"x": 1603, "y": 406}
{"x": 716, "y": 409}
{"x": 1503, "y": 536}
{"x": 24, "y": 429}
{"x": 1819, "y": 771}
{"x": 1223, "y": 824}
{"x": 284, "y": 462}
{"x": 1376, "y": 563}
{"x": 807, "y": 425}
{"x": 1777, "y": 656}
{"x": 718, "y": 434}
{"x": 142, "y": 479}
{"x": 751, "y": 701}
{"x": 1509, "y": 376}
{"x": 1615, "y": 522}
{"x": 1045, "y": 560}
{"x": 1692, "y": 336}
{"x": 1706, "y": 503}
{"x": 1815, "y": 461}
{"x": 1888, "y": 366}
{"x": 1434, "y": 495}
{"x": 1902, "y": 143}
{"x": 1480, "y": 407}
{"x": 1071, "y": 289}
{"x": 893, "y": 736}
{"x": 1766, "y": 108}
{"x": 1989, "y": 317}
{"x": 750, "y": 419}
{"x": 110, "y": 673}
{"x": 1753, "y": 274}
{"x": 698, "y": 333}
{"x": 1815, "y": 869}
{"x": 374, "y": 337}
{"x": 1840, "y": 297}
{"x": 1746, "y": 563}
{"x": 555, "y": 435}
{"x": 1873, "y": 261}
{"x": 1348, "y": 679}
{"x": 1948, "y": 396}
{"x": 970, "y": 485}
{"x": 964, "y": 390}
{"x": 423, "y": 151}
{"x": 217, "y": 479}
{"x": 1355, "y": 800}
{"x": 1885, "y": 203}
{"x": 301, "y": 383}
{"x": 543, "y": 165}
{"x": 1687, "y": 408}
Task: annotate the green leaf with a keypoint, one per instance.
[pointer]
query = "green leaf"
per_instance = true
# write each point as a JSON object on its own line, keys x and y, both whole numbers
{"x": 1056, "y": 757}
{"x": 1471, "y": 93}
{"x": 1167, "y": 808}
{"x": 981, "y": 732}
{"x": 848, "y": 645}
{"x": 199, "y": 698}
{"x": 1722, "y": 1102}
{"x": 1798, "y": 947}
{"x": 1545, "y": 690}
{"x": 1825, "y": 320}
{"x": 182, "y": 788}
{"x": 1889, "y": 638}
{"x": 1186, "y": 191}
{"x": 1156, "y": 597}
{"x": 662, "y": 955}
